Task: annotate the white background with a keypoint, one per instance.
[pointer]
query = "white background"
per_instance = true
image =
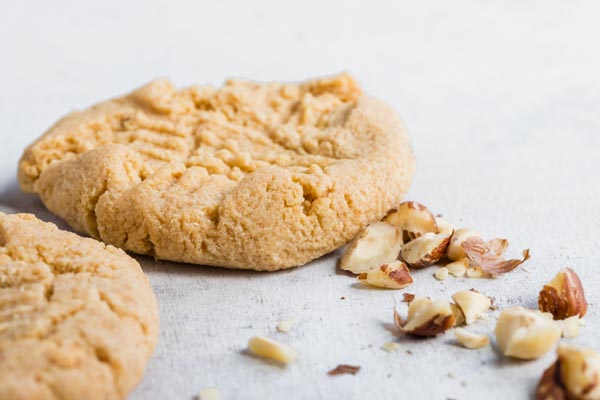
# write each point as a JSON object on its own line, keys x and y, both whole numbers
{"x": 503, "y": 103}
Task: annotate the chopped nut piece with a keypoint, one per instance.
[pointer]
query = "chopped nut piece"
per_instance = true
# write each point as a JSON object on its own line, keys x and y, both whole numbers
{"x": 459, "y": 317}
{"x": 427, "y": 318}
{"x": 344, "y": 369}
{"x": 390, "y": 347}
{"x": 398, "y": 320}
{"x": 269, "y": 348}
{"x": 458, "y": 268}
{"x": 394, "y": 275}
{"x": 441, "y": 273}
{"x": 414, "y": 219}
{"x": 378, "y": 244}
{"x": 472, "y": 304}
{"x": 286, "y": 326}
{"x": 569, "y": 326}
{"x": 474, "y": 272}
{"x": 209, "y": 394}
{"x": 455, "y": 251}
{"x": 471, "y": 340}
{"x": 408, "y": 297}
{"x": 425, "y": 250}
{"x": 563, "y": 296}
{"x": 444, "y": 226}
{"x": 485, "y": 256}
{"x": 526, "y": 334}
{"x": 574, "y": 375}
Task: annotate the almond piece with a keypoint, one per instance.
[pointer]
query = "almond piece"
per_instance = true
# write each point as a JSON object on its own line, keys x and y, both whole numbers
{"x": 471, "y": 340}
{"x": 272, "y": 349}
{"x": 394, "y": 275}
{"x": 574, "y": 375}
{"x": 425, "y": 250}
{"x": 526, "y": 334}
{"x": 563, "y": 296}
{"x": 455, "y": 251}
{"x": 472, "y": 304}
{"x": 378, "y": 244}
{"x": 427, "y": 318}
{"x": 414, "y": 219}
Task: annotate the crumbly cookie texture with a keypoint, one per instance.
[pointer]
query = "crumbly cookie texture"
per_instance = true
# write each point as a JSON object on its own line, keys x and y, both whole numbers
{"x": 78, "y": 319}
{"x": 254, "y": 176}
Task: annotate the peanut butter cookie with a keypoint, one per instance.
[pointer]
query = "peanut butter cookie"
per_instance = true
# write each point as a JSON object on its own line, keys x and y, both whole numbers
{"x": 254, "y": 176}
{"x": 78, "y": 319}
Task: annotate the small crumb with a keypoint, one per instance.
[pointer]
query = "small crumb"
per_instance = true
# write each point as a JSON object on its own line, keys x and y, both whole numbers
{"x": 344, "y": 369}
{"x": 209, "y": 394}
{"x": 343, "y": 298}
{"x": 526, "y": 269}
{"x": 286, "y": 326}
{"x": 408, "y": 297}
{"x": 390, "y": 347}
{"x": 463, "y": 383}
{"x": 441, "y": 273}
{"x": 451, "y": 375}
{"x": 409, "y": 352}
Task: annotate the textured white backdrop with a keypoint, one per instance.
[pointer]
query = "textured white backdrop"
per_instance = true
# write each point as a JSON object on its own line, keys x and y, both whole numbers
{"x": 502, "y": 100}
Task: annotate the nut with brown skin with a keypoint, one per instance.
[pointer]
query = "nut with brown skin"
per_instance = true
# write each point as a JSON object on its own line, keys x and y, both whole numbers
{"x": 394, "y": 275}
{"x": 378, "y": 244}
{"x": 487, "y": 256}
{"x": 526, "y": 334}
{"x": 428, "y": 318}
{"x": 574, "y": 375}
{"x": 414, "y": 219}
{"x": 563, "y": 296}
{"x": 455, "y": 251}
{"x": 425, "y": 250}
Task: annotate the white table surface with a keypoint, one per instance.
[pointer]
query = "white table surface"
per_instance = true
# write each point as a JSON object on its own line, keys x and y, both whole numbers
{"x": 502, "y": 100}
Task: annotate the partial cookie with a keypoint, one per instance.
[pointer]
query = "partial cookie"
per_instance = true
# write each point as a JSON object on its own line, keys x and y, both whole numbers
{"x": 78, "y": 319}
{"x": 255, "y": 176}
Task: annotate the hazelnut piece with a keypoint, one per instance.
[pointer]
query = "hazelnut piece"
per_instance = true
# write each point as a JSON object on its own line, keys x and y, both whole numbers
{"x": 563, "y": 296}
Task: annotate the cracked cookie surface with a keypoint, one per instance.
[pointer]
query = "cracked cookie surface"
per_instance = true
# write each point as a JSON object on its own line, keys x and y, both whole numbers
{"x": 78, "y": 319}
{"x": 249, "y": 175}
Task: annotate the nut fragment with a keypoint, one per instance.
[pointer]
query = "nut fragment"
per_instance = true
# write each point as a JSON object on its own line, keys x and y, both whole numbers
{"x": 441, "y": 273}
{"x": 286, "y": 326}
{"x": 526, "y": 334}
{"x": 569, "y": 326}
{"x": 378, "y": 244}
{"x": 427, "y": 318}
{"x": 459, "y": 317}
{"x": 444, "y": 226}
{"x": 488, "y": 256}
{"x": 414, "y": 219}
{"x": 390, "y": 347}
{"x": 574, "y": 375}
{"x": 394, "y": 275}
{"x": 209, "y": 394}
{"x": 269, "y": 348}
{"x": 563, "y": 296}
{"x": 344, "y": 369}
{"x": 471, "y": 340}
{"x": 458, "y": 268}
{"x": 472, "y": 304}
{"x": 455, "y": 251}
{"x": 425, "y": 250}
{"x": 407, "y": 297}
